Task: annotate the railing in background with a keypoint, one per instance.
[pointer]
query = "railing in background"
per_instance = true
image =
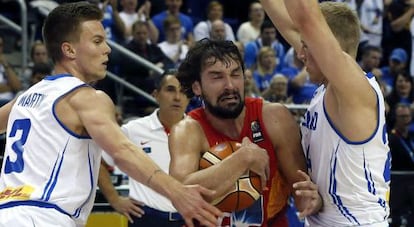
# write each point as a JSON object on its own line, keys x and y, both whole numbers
{"x": 20, "y": 29}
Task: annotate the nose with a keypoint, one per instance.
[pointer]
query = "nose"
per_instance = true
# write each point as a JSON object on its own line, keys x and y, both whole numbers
{"x": 229, "y": 82}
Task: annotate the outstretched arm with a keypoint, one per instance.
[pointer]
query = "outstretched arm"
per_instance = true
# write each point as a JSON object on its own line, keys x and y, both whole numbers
{"x": 99, "y": 122}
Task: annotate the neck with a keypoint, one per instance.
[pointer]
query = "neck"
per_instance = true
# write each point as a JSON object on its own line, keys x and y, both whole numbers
{"x": 229, "y": 127}
{"x": 169, "y": 119}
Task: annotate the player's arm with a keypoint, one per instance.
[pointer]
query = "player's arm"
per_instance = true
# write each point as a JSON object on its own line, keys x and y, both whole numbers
{"x": 285, "y": 136}
{"x": 350, "y": 99}
{"x": 123, "y": 205}
{"x": 4, "y": 115}
{"x": 186, "y": 153}
{"x": 97, "y": 114}
{"x": 276, "y": 10}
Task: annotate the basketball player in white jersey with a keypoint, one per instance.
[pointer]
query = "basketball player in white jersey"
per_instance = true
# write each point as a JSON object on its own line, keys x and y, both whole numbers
{"x": 343, "y": 132}
{"x": 54, "y": 129}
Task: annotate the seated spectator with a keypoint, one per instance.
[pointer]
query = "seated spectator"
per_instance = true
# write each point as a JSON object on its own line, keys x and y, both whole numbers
{"x": 401, "y": 142}
{"x": 137, "y": 74}
{"x": 112, "y": 22}
{"x": 301, "y": 88}
{"x": 173, "y": 8}
{"x": 397, "y": 64}
{"x": 218, "y": 30}
{"x": 250, "y": 88}
{"x": 266, "y": 68}
{"x": 402, "y": 93}
{"x": 267, "y": 37}
{"x": 278, "y": 90}
{"x": 174, "y": 46}
{"x": 370, "y": 58}
{"x": 250, "y": 30}
{"x": 40, "y": 70}
{"x": 129, "y": 14}
{"x": 203, "y": 28}
{"x": 38, "y": 54}
{"x": 9, "y": 82}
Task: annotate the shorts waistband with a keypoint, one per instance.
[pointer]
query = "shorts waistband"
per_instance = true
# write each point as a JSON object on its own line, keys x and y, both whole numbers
{"x": 170, "y": 216}
{"x": 33, "y": 203}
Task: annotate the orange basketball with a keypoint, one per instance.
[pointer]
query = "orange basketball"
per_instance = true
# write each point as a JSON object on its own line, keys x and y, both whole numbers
{"x": 247, "y": 188}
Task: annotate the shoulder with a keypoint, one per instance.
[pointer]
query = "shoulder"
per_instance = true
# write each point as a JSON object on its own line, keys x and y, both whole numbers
{"x": 87, "y": 96}
{"x": 276, "y": 113}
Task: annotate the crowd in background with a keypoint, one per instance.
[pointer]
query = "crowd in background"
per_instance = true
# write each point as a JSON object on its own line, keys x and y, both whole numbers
{"x": 162, "y": 31}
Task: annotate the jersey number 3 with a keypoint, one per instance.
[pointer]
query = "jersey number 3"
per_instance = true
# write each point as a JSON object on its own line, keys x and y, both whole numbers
{"x": 22, "y": 125}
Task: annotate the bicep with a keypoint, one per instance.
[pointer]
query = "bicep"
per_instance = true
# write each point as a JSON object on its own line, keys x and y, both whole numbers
{"x": 185, "y": 152}
{"x": 99, "y": 120}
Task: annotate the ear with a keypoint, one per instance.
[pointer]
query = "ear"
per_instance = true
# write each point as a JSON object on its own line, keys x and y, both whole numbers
{"x": 68, "y": 50}
{"x": 196, "y": 88}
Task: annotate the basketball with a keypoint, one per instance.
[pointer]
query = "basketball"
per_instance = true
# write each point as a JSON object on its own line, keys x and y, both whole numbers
{"x": 247, "y": 188}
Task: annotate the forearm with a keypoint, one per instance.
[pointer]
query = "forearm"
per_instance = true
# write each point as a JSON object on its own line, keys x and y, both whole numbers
{"x": 139, "y": 166}
{"x": 106, "y": 186}
{"x": 221, "y": 176}
{"x": 154, "y": 33}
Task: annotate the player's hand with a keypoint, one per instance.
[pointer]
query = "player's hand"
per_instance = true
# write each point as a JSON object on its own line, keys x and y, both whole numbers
{"x": 259, "y": 160}
{"x": 311, "y": 201}
{"x": 128, "y": 207}
{"x": 190, "y": 204}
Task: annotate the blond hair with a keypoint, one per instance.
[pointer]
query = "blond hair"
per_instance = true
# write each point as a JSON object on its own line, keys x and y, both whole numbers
{"x": 344, "y": 24}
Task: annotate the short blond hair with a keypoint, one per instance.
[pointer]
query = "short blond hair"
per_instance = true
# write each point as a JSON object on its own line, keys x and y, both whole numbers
{"x": 344, "y": 24}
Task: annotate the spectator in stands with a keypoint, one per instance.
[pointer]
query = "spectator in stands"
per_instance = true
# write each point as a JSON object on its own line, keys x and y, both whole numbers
{"x": 371, "y": 19}
{"x": 9, "y": 82}
{"x": 218, "y": 30}
{"x": 401, "y": 142}
{"x": 174, "y": 47}
{"x": 250, "y": 88}
{"x": 300, "y": 87}
{"x": 203, "y": 28}
{"x": 173, "y": 8}
{"x": 278, "y": 90}
{"x": 250, "y": 30}
{"x": 38, "y": 54}
{"x": 112, "y": 22}
{"x": 266, "y": 68}
{"x": 402, "y": 93}
{"x": 397, "y": 27}
{"x": 397, "y": 63}
{"x": 137, "y": 74}
{"x": 129, "y": 14}
{"x": 267, "y": 37}
{"x": 370, "y": 59}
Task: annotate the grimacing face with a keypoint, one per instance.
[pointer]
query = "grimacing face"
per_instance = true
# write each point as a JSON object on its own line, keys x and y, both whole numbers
{"x": 222, "y": 88}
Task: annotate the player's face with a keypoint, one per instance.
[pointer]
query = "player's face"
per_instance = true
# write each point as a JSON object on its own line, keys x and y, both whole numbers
{"x": 170, "y": 97}
{"x": 91, "y": 52}
{"x": 315, "y": 74}
{"x": 222, "y": 88}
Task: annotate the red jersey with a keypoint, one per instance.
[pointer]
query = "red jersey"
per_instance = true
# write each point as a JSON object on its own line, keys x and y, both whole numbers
{"x": 272, "y": 203}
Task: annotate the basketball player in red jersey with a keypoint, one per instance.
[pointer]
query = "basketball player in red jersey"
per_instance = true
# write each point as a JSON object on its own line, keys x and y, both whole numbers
{"x": 269, "y": 134}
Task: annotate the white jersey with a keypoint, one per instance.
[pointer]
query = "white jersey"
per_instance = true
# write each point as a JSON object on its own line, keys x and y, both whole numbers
{"x": 352, "y": 177}
{"x": 149, "y": 133}
{"x": 45, "y": 163}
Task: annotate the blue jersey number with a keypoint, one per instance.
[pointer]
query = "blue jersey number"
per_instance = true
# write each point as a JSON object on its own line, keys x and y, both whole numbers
{"x": 18, "y": 165}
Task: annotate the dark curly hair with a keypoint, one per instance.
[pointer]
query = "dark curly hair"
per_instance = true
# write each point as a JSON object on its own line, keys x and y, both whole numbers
{"x": 199, "y": 56}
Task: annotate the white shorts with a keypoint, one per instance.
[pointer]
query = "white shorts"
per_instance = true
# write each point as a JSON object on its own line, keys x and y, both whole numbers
{"x": 30, "y": 216}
